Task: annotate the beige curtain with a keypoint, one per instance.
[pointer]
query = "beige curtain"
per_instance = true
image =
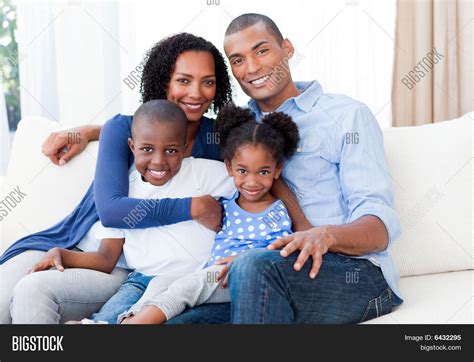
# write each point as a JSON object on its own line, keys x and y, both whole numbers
{"x": 433, "y": 68}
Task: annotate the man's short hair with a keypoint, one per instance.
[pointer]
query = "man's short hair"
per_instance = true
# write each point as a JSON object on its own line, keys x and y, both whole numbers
{"x": 245, "y": 21}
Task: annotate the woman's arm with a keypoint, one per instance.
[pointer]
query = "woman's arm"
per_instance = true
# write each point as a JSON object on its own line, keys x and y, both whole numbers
{"x": 281, "y": 191}
{"x": 103, "y": 260}
{"x": 111, "y": 183}
{"x": 62, "y": 146}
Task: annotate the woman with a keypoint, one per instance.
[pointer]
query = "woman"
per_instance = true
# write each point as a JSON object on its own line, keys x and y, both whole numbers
{"x": 184, "y": 69}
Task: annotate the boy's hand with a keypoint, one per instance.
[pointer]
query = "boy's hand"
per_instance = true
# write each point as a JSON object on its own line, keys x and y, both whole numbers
{"x": 51, "y": 259}
{"x": 224, "y": 272}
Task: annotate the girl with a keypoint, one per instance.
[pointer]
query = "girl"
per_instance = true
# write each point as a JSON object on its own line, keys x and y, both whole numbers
{"x": 253, "y": 154}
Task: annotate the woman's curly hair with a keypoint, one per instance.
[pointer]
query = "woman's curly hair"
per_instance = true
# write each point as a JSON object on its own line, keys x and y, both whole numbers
{"x": 237, "y": 126}
{"x": 159, "y": 64}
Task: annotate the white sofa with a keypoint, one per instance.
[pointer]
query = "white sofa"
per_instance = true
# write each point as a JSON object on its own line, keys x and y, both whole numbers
{"x": 431, "y": 169}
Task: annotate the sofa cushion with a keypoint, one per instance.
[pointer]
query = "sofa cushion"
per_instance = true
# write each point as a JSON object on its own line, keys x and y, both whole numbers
{"x": 51, "y": 191}
{"x": 431, "y": 171}
{"x": 434, "y": 299}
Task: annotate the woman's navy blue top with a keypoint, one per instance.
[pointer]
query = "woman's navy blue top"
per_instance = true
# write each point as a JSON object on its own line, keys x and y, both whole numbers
{"x": 107, "y": 197}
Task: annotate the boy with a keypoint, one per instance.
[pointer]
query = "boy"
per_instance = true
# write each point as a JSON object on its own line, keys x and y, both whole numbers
{"x": 158, "y": 144}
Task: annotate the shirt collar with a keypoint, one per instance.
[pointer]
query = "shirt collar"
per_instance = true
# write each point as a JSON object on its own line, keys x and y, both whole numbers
{"x": 305, "y": 101}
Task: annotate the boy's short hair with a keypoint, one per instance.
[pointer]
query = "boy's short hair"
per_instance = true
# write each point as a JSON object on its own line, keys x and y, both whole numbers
{"x": 160, "y": 110}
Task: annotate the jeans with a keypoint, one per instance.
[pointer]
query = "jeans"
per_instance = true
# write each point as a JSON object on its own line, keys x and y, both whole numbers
{"x": 265, "y": 289}
{"x": 127, "y": 295}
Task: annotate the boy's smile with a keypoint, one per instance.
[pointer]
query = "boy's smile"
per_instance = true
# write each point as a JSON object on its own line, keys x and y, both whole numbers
{"x": 158, "y": 148}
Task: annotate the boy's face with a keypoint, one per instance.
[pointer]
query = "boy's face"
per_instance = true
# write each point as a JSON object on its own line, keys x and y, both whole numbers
{"x": 259, "y": 62}
{"x": 253, "y": 170}
{"x": 158, "y": 148}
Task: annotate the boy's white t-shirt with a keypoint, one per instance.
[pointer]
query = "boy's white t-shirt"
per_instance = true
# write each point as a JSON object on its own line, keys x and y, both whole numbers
{"x": 183, "y": 247}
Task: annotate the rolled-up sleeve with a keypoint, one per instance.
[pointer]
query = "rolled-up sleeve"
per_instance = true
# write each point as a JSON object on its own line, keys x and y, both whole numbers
{"x": 365, "y": 180}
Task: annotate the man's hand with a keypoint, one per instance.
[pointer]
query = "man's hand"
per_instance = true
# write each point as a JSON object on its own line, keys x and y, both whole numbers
{"x": 314, "y": 242}
{"x": 51, "y": 259}
{"x": 225, "y": 271}
{"x": 207, "y": 211}
{"x": 62, "y": 146}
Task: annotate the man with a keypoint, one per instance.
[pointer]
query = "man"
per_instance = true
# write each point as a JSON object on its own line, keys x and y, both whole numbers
{"x": 339, "y": 270}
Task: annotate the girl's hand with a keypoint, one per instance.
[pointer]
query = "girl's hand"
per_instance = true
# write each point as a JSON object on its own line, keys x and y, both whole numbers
{"x": 51, "y": 259}
{"x": 224, "y": 272}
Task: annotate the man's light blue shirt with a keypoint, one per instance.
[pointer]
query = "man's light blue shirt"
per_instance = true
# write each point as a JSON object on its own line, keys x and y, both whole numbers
{"x": 339, "y": 172}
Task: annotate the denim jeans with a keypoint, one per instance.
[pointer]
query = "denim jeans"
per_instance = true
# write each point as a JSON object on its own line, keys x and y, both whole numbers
{"x": 265, "y": 289}
{"x": 127, "y": 295}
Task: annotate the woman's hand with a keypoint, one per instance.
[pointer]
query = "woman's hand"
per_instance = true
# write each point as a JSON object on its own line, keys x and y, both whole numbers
{"x": 51, "y": 259}
{"x": 207, "y": 211}
{"x": 314, "y": 242}
{"x": 62, "y": 146}
{"x": 225, "y": 271}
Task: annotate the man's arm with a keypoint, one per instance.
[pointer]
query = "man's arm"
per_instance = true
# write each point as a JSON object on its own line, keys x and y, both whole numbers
{"x": 62, "y": 146}
{"x": 281, "y": 191}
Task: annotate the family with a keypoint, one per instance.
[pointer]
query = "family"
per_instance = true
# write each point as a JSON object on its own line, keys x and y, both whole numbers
{"x": 292, "y": 227}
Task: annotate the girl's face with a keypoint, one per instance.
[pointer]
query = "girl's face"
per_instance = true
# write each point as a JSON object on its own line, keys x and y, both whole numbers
{"x": 193, "y": 83}
{"x": 253, "y": 169}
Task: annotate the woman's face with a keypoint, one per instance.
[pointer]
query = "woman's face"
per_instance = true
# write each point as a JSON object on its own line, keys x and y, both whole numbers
{"x": 193, "y": 83}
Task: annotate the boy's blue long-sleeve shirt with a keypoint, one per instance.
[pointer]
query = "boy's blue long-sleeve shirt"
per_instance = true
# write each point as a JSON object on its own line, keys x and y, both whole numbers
{"x": 107, "y": 197}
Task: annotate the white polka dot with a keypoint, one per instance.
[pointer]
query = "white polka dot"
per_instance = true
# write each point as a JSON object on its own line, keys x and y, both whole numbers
{"x": 225, "y": 206}
{"x": 276, "y": 230}
{"x": 225, "y": 252}
{"x": 238, "y": 221}
{"x": 240, "y": 237}
{"x": 229, "y": 232}
{"x": 263, "y": 233}
{"x": 218, "y": 247}
{"x": 278, "y": 237}
{"x": 286, "y": 223}
{"x": 251, "y": 236}
{"x": 250, "y": 228}
{"x": 233, "y": 253}
{"x": 228, "y": 223}
{"x": 250, "y": 246}
{"x": 249, "y": 219}
{"x": 226, "y": 240}
{"x": 286, "y": 233}
{"x": 282, "y": 213}
{"x": 236, "y": 213}
{"x": 261, "y": 226}
{"x": 269, "y": 237}
{"x": 240, "y": 230}
{"x": 220, "y": 232}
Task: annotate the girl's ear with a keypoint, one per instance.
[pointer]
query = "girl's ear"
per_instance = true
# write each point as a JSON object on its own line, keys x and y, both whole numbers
{"x": 228, "y": 167}
{"x": 278, "y": 171}
{"x": 131, "y": 145}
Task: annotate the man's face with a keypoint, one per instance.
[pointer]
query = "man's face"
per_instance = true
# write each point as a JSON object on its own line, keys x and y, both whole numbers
{"x": 259, "y": 62}
{"x": 158, "y": 148}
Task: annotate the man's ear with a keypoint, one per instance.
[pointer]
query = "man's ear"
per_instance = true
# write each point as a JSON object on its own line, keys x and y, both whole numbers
{"x": 290, "y": 50}
{"x": 228, "y": 167}
{"x": 278, "y": 169}
{"x": 130, "y": 144}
